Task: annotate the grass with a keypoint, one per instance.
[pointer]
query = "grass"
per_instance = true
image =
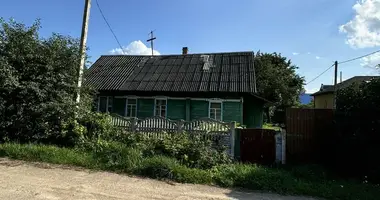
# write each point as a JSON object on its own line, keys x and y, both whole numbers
{"x": 271, "y": 126}
{"x": 131, "y": 161}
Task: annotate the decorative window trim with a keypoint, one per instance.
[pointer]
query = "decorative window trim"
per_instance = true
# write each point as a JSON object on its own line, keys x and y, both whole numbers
{"x": 107, "y": 103}
{"x": 166, "y": 106}
{"x": 221, "y": 108}
{"x": 126, "y": 106}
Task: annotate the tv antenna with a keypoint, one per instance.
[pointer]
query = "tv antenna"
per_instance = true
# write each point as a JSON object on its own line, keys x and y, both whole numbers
{"x": 151, "y": 41}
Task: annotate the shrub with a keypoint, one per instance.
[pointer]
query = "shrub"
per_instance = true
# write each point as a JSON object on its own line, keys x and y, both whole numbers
{"x": 159, "y": 167}
{"x": 190, "y": 151}
{"x": 117, "y": 157}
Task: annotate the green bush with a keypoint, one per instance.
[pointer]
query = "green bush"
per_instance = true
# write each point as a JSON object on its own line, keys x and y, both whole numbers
{"x": 159, "y": 167}
{"x": 190, "y": 151}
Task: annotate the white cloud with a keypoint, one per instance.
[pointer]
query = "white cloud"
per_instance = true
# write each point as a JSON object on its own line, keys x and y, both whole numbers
{"x": 317, "y": 57}
{"x": 295, "y": 53}
{"x": 371, "y": 61}
{"x": 364, "y": 29}
{"x": 308, "y": 53}
{"x": 311, "y": 90}
{"x": 134, "y": 48}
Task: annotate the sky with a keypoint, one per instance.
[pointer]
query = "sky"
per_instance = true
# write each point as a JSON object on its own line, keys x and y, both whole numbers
{"x": 311, "y": 33}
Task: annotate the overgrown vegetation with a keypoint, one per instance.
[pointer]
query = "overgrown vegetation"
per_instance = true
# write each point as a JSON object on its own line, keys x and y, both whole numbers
{"x": 123, "y": 159}
{"x": 358, "y": 127}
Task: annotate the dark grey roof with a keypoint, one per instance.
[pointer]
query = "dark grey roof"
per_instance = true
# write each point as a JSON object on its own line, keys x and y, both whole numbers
{"x": 226, "y": 72}
{"x": 356, "y": 79}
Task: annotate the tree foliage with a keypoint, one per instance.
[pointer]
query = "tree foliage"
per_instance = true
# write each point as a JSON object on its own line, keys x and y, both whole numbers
{"x": 358, "y": 123}
{"x": 277, "y": 80}
{"x": 37, "y": 82}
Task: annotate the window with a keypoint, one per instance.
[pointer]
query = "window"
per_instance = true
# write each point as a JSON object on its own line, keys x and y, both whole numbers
{"x": 216, "y": 110}
{"x": 109, "y": 103}
{"x": 105, "y": 104}
{"x": 131, "y": 108}
{"x": 160, "y": 109}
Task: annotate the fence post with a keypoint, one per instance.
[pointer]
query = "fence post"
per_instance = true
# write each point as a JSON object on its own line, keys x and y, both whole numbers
{"x": 133, "y": 124}
{"x": 283, "y": 137}
{"x": 180, "y": 126}
{"x": 232, "y": 142}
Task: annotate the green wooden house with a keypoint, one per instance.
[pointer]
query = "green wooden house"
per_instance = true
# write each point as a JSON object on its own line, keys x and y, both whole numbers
{"x": 221, "y": 86}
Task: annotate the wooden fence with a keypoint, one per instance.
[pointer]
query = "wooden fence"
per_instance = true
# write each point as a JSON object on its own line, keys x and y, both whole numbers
{"x": 257, "y": 146}
{"x": 221, "y": 133}
{"x": 306, "y": 130}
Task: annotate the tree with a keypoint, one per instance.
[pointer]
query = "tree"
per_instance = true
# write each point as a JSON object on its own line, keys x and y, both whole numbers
{"x": 277, "y": 80}
{"x": 37, "y": 82}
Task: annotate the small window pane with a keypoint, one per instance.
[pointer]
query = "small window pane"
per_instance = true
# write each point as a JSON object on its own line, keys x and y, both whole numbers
{"x": 160, "y": 108}
{"x": 110, "y": 103}
{"x": 216, "y": 111}
{"x": 131, "y": 108}
{"x": 131, "y": 101}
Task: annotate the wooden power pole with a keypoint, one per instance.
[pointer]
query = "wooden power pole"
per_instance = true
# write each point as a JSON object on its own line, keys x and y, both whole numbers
{"x": 151, "y": 41}
{"x": 335, "y": 82}
{"x": 82, "y": 47}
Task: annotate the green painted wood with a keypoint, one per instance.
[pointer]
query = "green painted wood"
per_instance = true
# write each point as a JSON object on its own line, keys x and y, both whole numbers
{"x": 188, "y": 105}
{"x": 198, "y": 109}
{"x": 253, "y": 113}
{"x": 232, "y": 112}
{"x": 176, "y": 109}
{"x": 145, "y": 108}
{"x": 119, "y": 106}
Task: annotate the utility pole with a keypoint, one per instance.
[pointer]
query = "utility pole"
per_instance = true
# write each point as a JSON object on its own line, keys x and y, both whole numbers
{"x": 335, "y": 82}
{"x": 340, "y": 77}
{"x": 82, "y": 47}
{"x": 151, "y": 41}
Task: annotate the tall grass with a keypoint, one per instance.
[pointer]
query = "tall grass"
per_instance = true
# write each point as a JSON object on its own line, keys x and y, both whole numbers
{"x": 129, "y": 160}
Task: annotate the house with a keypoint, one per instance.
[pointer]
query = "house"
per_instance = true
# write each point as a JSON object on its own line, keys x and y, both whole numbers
{"x": 324, "y": 98}
{"x": 221, "y": 86}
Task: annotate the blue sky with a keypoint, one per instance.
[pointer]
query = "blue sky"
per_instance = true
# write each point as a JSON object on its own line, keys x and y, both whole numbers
{"x": 312, "y": 33}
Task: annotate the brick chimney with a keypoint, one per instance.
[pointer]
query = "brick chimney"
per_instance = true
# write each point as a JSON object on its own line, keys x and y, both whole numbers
{"x": 185, "y": 50}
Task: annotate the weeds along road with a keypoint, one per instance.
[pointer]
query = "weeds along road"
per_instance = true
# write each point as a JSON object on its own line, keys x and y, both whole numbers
{"x": 36, "y": 181}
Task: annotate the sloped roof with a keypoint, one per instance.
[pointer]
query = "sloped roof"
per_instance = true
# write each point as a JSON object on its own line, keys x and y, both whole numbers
{"x": 223, "y": 72}
{"x": 356, "y": 79}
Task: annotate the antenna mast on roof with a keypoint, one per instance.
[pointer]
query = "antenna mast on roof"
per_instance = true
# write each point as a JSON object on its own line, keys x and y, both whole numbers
{"x": 151, "y": 41}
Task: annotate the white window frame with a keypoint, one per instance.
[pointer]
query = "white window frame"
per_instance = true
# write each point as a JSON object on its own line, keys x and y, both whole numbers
{"x": 221, "y": 108}
{"x": 126, "y": 106}
{"x": 107, "y": 103}
{"x": 166, "y": 106}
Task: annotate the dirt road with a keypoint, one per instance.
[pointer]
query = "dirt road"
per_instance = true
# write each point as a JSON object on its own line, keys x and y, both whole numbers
{"x": 34, "y": 181}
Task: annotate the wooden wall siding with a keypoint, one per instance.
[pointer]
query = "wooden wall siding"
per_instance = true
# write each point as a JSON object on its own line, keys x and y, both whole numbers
{"x": 176, "y": 109}
{"x": 185, "y": 109}
{"x": 199, "y": 109}
{"x": 232, "y": 112}
{"x": 145, "y": 108}
{"x": 119, "y": 105}
{"x": 252, "y": 113}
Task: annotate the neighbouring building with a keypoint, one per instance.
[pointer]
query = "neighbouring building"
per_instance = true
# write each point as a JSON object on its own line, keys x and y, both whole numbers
{"x": 221, "y": 86}
{"x": 324, "y": 98}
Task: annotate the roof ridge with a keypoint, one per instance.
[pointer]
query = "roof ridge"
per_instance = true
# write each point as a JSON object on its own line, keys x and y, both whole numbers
{"x": 123, "y": 55}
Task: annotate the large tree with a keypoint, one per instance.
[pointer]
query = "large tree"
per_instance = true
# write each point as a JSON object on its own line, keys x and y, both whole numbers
{"x": 277, "y": 80}
{"x": 37, "y": 82}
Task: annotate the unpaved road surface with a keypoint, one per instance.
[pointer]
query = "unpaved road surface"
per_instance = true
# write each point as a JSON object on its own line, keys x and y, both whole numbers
{"x": 35, "y": 181}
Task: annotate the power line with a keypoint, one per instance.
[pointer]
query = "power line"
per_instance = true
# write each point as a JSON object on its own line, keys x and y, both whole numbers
{"x": 346, "y": 61}
{"x": 109, "y": 26}
{"x": 320, "y": 74}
